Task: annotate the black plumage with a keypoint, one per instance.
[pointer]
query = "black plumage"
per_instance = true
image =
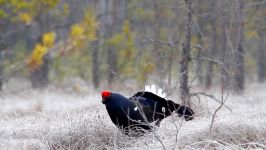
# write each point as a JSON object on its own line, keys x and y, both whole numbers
{"x": 137, "y": 113}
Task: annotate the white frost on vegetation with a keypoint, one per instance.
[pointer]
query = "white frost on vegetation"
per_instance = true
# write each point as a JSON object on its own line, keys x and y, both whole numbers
{"x": 55, "y": 120}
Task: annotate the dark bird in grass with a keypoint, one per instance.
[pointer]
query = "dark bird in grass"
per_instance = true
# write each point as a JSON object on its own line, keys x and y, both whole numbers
{"x": 138, "y": 114}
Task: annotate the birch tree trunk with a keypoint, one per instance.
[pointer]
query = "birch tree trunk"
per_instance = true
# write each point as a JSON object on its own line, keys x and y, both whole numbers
{"x": 98, "y": 44}
{"x": 261, "y": 64}
{"x": 199, "y": 62}
{"x": 39, "y": 77}
{"x": 111, "y": 55}
{"x": 1, "y": 69}
{"x": 116, "y": 21}
{"x": 158, "y": 52}
{"x": 225, "y": 80}
{"x": 209, "y": 72}
{"x": 239, "y": 78}
{"x": 95, "y": 64}
{"x": 199, "y": 53}
{"x": 185, "y": 57}
{"x": 2, "y": 47}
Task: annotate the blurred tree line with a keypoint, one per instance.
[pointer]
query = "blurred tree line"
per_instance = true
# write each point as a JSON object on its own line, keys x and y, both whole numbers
{"x": 107, "y": 42}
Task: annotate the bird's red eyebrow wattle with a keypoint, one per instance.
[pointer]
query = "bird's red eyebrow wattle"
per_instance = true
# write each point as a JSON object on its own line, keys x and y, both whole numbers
{"x": 106, "y": 93}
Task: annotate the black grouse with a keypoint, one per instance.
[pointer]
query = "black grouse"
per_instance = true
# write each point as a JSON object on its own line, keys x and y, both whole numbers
{"x": 135, "y": 114}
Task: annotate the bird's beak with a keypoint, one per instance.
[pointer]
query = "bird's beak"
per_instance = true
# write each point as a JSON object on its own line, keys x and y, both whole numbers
{"x": 103, "y": 100}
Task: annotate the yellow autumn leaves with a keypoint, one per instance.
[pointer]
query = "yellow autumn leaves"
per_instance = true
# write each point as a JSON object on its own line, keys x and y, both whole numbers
{"x": 25, "y": 18}
{"x": 124, "y": 42}
{"x": 83, "y": 32}
{"x": 25, "y": 10}
{"x": 40, "y": 50}
{"x": 80, "y": 35}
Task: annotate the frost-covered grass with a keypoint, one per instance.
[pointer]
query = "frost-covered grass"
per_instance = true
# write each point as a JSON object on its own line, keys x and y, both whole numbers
{"x": 53, "y": 119}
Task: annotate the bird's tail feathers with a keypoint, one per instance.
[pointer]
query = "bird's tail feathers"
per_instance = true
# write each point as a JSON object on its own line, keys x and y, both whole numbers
{"x": 158, "y": 91}
{"x": 186, "y": 112}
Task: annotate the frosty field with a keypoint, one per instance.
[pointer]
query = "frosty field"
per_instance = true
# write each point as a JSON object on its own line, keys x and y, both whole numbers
{"x": 54, "y": 119}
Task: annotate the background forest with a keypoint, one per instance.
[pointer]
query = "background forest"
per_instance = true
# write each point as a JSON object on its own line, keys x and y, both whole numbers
{"x": 56, "y": 55}
{"x": 116, "y": 42}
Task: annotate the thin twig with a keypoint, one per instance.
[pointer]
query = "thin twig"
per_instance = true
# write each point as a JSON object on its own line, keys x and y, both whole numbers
{"x": 216, "y": 111}
{"x": 212, "y": 97}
